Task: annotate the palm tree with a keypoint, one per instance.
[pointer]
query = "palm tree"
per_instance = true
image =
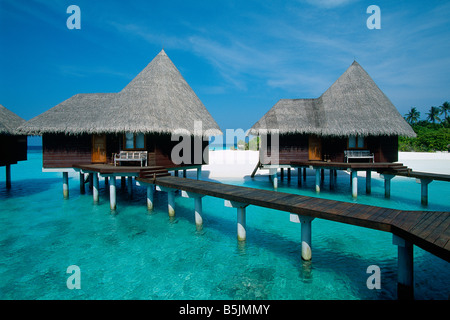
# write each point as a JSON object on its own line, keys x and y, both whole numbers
{"x": 433, "y": 115}
{"x": 412, "y": 116}
{"x": 445, "y": 108}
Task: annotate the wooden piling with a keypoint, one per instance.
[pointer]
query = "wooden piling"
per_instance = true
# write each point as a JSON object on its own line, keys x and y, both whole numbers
{"x": 368, "y": 182}
{"x": 82, "y": 183}
{"x": 8, "y": 176}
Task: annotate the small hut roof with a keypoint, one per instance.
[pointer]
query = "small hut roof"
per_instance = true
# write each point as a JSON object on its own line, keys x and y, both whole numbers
{"x": 353, "y": 105}
{"x": 157, "y": 100}
{"x": 9, "y": 121}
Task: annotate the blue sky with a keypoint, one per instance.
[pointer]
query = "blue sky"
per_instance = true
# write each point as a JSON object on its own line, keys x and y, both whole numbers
{"x": 240, "y": 57}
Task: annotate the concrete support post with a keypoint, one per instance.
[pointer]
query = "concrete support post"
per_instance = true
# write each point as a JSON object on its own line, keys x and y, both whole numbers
{"x": 424, "y": 190}
{"x": 306, "y": 237}
{"x": 354, "y": 183}
{"x": 112, "y": 193}
{"x": 282, "y": 174}
{"x": 198, "y": 213}
{"x": 241, "y": 218}
{"x": 368, "y": 182}
{"x": 95, "y": 187}
{"x": 199, "y": 173}
{"x": 198, "y": 207}
{"x": 305, "y": 234}
{"x": 405, "y": 285}
{"x": 130, "y": 186}
{"x": 387, "y": 184}
{"x": 170, "y": 199}
{"x": 289, "y": 174}
{"x": 331, "y": 179}
{"x": 150, "y": 196}
{"x": 82, "y": 184}
{"x": 273, "y": 174}
{"x": 8, "y": 176}
{"x": 304, "y": 174}
{"x": 317, "y": 180}
{"x": 66, "y": 185}
{"x": 184, "y": 173}
{"x": 171, "y": 202}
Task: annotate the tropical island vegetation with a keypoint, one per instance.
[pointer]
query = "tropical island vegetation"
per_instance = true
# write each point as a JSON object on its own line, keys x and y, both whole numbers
{"x": 433, "y": 132}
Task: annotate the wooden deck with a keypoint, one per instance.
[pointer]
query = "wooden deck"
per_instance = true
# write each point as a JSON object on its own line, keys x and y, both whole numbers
{"x": 107, "y": 169}
{"x": 373, "y": 166}
{"x": 428, "y": 230}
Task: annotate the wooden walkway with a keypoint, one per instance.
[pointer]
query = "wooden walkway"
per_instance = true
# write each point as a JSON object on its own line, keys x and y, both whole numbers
{"x": 107, "y": 169}
{"x": 428, "y": 230}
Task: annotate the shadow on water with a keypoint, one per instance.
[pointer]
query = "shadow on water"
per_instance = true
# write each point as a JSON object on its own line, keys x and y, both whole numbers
{"x": 27, "y": 187}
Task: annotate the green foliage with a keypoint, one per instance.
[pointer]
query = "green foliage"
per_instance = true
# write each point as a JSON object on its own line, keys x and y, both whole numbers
{"x": 430, "y": 137}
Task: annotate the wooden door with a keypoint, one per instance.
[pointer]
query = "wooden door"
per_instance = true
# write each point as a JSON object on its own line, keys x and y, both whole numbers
{"x": 99, "y": 148}
{"x": 315, "y": 148}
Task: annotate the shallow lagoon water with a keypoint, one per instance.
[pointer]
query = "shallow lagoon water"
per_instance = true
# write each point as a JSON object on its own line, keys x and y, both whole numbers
{"x": 136, "y": 255}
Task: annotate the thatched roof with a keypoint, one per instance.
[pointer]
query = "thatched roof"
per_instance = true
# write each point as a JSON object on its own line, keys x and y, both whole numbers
{"x": 157, "y": 100}
{"x": 9, "y": 121}
{"x": 353, "y": 105}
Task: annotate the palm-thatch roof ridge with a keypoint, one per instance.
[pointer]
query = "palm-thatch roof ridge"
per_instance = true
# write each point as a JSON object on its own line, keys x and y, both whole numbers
{"x": 157, "y": 100}
{"x": 353, "y": 105}
{"x": 9, "y": 121}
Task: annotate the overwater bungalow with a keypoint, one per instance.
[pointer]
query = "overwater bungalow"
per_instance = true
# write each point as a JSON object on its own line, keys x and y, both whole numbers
{"x": 132, "y": 127}
{"x": 353, "y": 121}
{"x": 13, "y": 145}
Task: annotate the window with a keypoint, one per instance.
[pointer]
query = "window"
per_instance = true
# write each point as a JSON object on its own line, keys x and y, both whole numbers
{"x": 356, "y": 142}
{"x": 133, "y": 141}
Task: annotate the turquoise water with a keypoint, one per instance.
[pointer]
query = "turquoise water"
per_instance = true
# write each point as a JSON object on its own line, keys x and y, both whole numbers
{"x": 136, "y": 255}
